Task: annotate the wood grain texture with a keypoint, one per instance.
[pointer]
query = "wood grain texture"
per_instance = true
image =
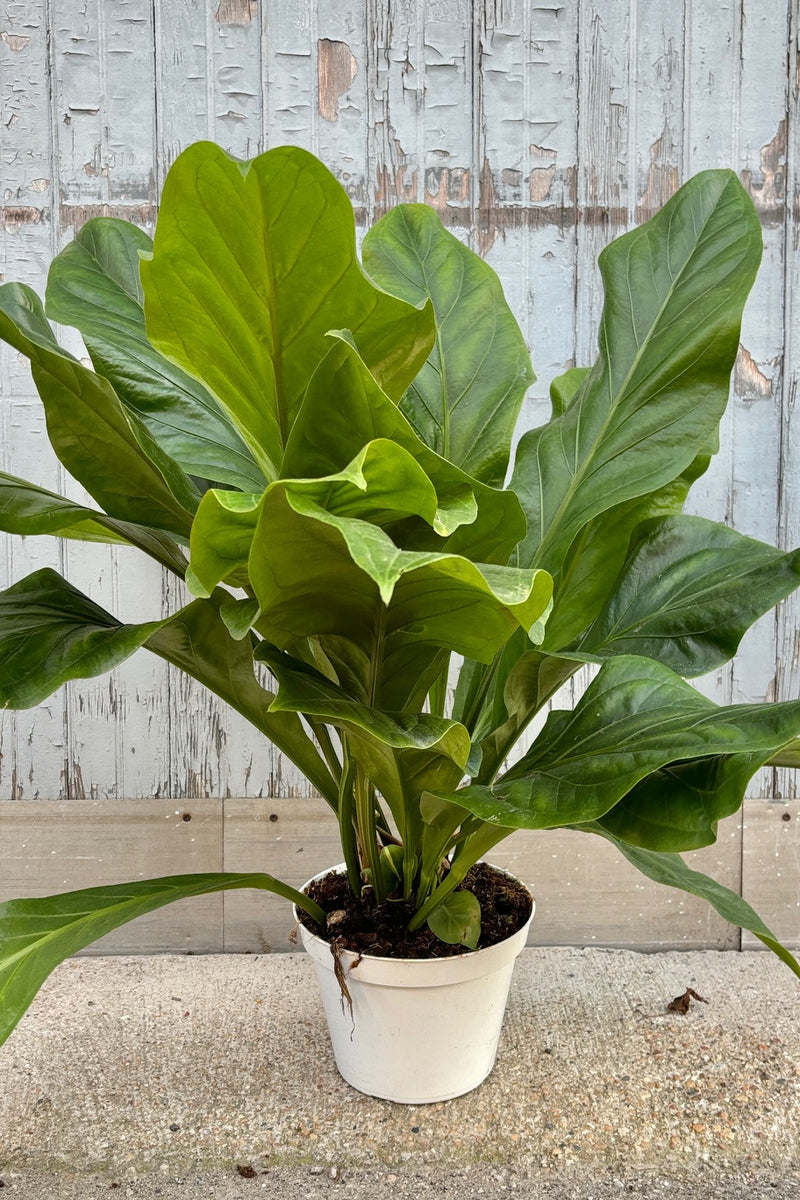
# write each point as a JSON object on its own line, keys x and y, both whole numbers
{"x": 771, "y": 868}
{"x": 585, "y": 893}
{"x": 538, "y": 130}
{"x": 62, "y": 846}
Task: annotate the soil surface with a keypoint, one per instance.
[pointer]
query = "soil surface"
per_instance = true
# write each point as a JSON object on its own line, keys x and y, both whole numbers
{"x": 358, "y": 924}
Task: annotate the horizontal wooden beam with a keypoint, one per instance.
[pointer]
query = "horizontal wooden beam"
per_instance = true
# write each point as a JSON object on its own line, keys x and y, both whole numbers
{"x": 586, "y": 895}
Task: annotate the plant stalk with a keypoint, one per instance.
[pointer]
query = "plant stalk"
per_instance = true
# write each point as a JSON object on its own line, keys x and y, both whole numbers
{"x": 368, "y": 833}
{"x": 347, "y": 831}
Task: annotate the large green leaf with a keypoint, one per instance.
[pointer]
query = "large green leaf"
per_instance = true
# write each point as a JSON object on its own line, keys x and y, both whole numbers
{"x": 677, "y": 807}
{"x": 50, "y": 632}
{"x": 688, "y": 592}
{"x": 466, "y": 399}
{"x": 588, "y": 574}
{"x": 253, "y": 262}
{"x": 26, "y": 509}
{"x": 94, "y": 285}
{"x": 314, "y": 572}
{"x": 670, "y": 869}
{"x": 108, "y": 450}
{"x": 675, "y": 289}
{"x": 37, "y": 934}
{"x": 382, "y": 485}
{"x": 328, "y": 435}
{"x": 634, "y": 718}
{"x": 584, "y": 582}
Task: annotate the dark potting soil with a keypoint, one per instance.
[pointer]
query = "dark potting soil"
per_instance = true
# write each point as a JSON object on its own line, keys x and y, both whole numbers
{"x": 357, "y": 924}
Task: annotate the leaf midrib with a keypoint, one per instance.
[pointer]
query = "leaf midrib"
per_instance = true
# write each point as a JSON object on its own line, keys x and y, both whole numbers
{"x": 577, "y": 477}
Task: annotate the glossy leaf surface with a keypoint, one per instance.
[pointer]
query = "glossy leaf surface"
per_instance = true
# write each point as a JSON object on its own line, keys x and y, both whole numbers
{"x": 37, "y": 934}
{"x": 253, "y": 262}
{"x": 325, "y": 437}
{"x": 26, "y": 509}
{"x": 107, "y": 450}
{"x": 314, "y": 572}
{"x": 465, "y": 400}
{"x": 50, "y": 632}
{"x": 677, "y": 807}
{"x": 688, "y": 592}
{"x": 634, "y": 718}
{"x": 94, "y": 285}
{"x": 675, "y": 289}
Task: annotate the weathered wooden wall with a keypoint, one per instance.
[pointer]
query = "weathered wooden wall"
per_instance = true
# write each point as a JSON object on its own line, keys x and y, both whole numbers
{"x": 539, "y": 131}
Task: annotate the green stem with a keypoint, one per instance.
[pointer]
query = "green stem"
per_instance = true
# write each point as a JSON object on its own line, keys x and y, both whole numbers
{"x": 326, "y": 746}
{"x": 367, "y": 831}
{"x": 437, "y": 696}
{"x": 471, "y": 852}
{"x": 366, "y": 816}
{"x": 473, "y": 715}
{"x": 347, "y": 831}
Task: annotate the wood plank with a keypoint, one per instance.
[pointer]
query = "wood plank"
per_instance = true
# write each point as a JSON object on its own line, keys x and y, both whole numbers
{"x": 104, "y": 129}
{"x": 25, "y": 137}
{"x": 588, "y": 895}
{"x": 397, "y": 96}
{"x": 448, "y": 121}
{"x": 787, "y": 684}
{"x": 289, "y": 72}
{"x": 292, "y": 839}
{"x": 60, "y": 846}
{"x": 550, "y": 107}
{"x": 756, "y": 408}
{"x": 233, "y": 52}
{"x": 209, "y": 67}
{"x": 606, "y": 201}
{"x": 585, "y": 895}
{"x": 771, "y": 869}
{"x": 344, "y": 120}
{"x": 37, "y": 764}
{"x": 104, "y": 95}
{"x": 183, "y": 113}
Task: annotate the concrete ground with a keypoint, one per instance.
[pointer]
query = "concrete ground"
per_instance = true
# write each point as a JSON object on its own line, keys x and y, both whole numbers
{"x": 187, "y": 1077}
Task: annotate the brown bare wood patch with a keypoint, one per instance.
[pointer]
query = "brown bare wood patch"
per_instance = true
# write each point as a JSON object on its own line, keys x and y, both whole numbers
{"x": 75, "y": 216}
{"x": 22, "y": 214}
{"x": 663, "y": 176}
{"x": 748, "y": 380}
{"x": 236, "y": 12}
{"x": 15, "y": 41}
{"x": 336, "y": 70}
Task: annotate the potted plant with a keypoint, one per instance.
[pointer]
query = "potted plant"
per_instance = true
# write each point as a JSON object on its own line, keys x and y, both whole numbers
{"x": 320, "y": 451}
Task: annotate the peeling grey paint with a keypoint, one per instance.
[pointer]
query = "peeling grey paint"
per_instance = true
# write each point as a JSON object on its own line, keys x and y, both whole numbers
{"x": 537, "y": 131}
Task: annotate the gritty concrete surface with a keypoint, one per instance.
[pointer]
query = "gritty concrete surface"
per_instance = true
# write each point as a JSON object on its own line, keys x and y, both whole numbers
{"x": 187, "y": 1077}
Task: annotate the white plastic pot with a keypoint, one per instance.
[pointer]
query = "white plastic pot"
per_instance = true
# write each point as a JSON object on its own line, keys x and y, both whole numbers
{"x": 420, "y": 1030}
